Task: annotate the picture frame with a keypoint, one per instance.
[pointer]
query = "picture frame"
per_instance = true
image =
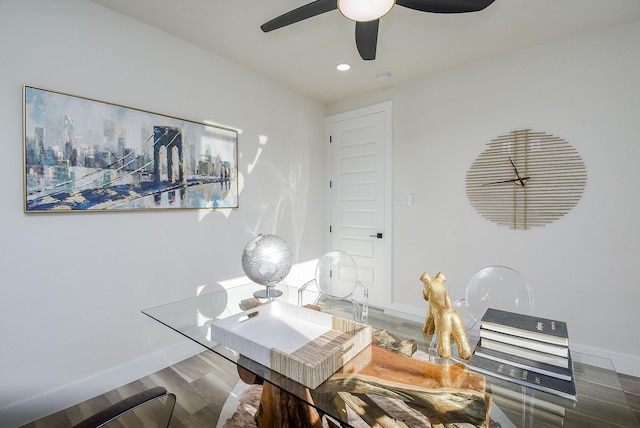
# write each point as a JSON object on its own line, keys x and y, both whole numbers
{"x": 82, "y": 154}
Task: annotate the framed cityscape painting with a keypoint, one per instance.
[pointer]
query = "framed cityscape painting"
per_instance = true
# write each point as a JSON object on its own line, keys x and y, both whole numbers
{"x": 86, "y": 155}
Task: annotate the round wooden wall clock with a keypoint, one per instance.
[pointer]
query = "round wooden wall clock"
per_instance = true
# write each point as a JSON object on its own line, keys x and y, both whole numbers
{"x": 526, "y": 179}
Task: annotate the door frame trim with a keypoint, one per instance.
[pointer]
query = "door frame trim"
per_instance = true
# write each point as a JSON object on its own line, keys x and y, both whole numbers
{"x": 385, "y": 107}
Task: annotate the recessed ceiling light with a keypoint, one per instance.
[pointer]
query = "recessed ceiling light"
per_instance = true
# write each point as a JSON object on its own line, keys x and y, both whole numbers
{"x": 383, "y": 77}
{"x": 343, "y": 67}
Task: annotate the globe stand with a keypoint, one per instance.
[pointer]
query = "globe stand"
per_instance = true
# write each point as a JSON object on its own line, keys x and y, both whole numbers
{"x": 268, "y": 293}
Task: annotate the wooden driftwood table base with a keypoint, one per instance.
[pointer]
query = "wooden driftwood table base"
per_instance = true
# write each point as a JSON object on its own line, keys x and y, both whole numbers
{"x": 444, "y": 394}
{"x": 278, "y": 408}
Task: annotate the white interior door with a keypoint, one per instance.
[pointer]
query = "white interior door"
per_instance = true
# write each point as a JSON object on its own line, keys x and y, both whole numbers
{"x": 360, "y": 194}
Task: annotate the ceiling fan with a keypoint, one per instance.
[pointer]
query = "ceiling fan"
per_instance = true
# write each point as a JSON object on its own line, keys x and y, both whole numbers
{"x": 367, "y": 14}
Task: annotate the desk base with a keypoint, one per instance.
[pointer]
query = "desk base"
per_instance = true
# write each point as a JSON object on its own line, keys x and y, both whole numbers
{"x": 444, "y": 394}
{"x": 281, "y": 409}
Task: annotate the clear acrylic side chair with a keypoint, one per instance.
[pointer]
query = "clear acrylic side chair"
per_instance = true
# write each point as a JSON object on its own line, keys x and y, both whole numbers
{"x": 497, "y": 287}
{"x": 336, "y": 283}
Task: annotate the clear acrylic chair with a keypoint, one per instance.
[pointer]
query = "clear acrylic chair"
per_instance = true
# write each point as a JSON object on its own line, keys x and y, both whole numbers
{"x": 336, "y": 283}
{"x": 498, "y": 287}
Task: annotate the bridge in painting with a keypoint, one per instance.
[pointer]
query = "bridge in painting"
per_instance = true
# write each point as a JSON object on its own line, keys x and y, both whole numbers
{"x": 129, "y": 178}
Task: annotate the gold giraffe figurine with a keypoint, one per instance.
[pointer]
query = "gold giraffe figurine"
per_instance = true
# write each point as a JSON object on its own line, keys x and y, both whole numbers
{"x": 442, "y": 318}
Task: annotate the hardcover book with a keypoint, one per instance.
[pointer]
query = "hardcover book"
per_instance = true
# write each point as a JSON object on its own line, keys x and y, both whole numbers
{"x": 526, "y": 326}
{"x": 561, "y": 351}
{"x": 552, "y": 385}
{"x": 565, "y": 373}
{"x": 505, "y": 348}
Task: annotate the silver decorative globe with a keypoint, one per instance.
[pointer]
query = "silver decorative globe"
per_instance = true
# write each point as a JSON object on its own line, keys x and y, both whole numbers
{"x": 267, "y": 260}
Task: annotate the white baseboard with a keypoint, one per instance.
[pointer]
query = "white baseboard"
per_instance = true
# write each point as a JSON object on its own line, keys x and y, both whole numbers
{"x": 25, "y": 411}
{"x": 407, "y": 312}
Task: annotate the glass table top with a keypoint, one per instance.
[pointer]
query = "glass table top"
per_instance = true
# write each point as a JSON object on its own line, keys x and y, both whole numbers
{"x": 600, "y": 398}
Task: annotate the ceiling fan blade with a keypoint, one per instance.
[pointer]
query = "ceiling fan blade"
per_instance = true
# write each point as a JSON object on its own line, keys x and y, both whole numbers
{"x": 303, "y": 12}
{"x": 445, "y": 6}
{"x": 367, "y": 39}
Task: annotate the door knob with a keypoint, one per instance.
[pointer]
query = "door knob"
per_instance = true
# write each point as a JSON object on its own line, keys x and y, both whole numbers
{"x": 377, "y": 235}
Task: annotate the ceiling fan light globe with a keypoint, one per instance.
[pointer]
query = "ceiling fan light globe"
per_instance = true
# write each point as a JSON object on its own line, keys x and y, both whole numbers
{"x": 365, "y": 10}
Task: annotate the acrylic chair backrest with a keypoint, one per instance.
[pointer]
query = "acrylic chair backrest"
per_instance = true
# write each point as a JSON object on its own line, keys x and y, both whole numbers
{"x": 337, "y": 274}
{"x": 498, "y": 287}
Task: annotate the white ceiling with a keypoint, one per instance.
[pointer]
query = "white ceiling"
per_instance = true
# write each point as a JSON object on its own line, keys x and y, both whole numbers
{"x": 303, "y": 56}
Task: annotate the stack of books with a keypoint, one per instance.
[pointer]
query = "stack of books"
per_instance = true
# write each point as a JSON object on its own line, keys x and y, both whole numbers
{"x": 528, "y": 350}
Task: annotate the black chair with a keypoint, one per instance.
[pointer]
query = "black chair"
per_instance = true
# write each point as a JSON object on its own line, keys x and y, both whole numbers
{"x": 150, "y": 408}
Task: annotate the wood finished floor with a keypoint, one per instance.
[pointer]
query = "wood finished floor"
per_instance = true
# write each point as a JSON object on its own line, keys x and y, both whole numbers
{"x": 202, "y": 384}
{"x": 631, "y": 387}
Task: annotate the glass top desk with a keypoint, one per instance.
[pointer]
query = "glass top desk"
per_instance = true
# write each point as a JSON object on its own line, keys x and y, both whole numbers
{"x": 600, "y": 398}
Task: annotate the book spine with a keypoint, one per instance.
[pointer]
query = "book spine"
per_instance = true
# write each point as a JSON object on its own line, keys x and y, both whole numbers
{"x": 561, "y": 351}
{"x": 542, "y": 337}
{"x": 525, "y": 353}
{"x": 526, "y": 363}
{"x": 528, "y": 323}
{"x": 559, "y": 387}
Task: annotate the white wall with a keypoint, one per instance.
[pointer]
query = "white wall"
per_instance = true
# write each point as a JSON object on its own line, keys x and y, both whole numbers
{"x": 72, "y": 285}
{"x": 584, "y": 267}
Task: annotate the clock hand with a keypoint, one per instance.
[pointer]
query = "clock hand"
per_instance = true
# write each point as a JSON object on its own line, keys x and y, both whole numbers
{"x": 517, "y": 173}
{"x": 521, "y": 180}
